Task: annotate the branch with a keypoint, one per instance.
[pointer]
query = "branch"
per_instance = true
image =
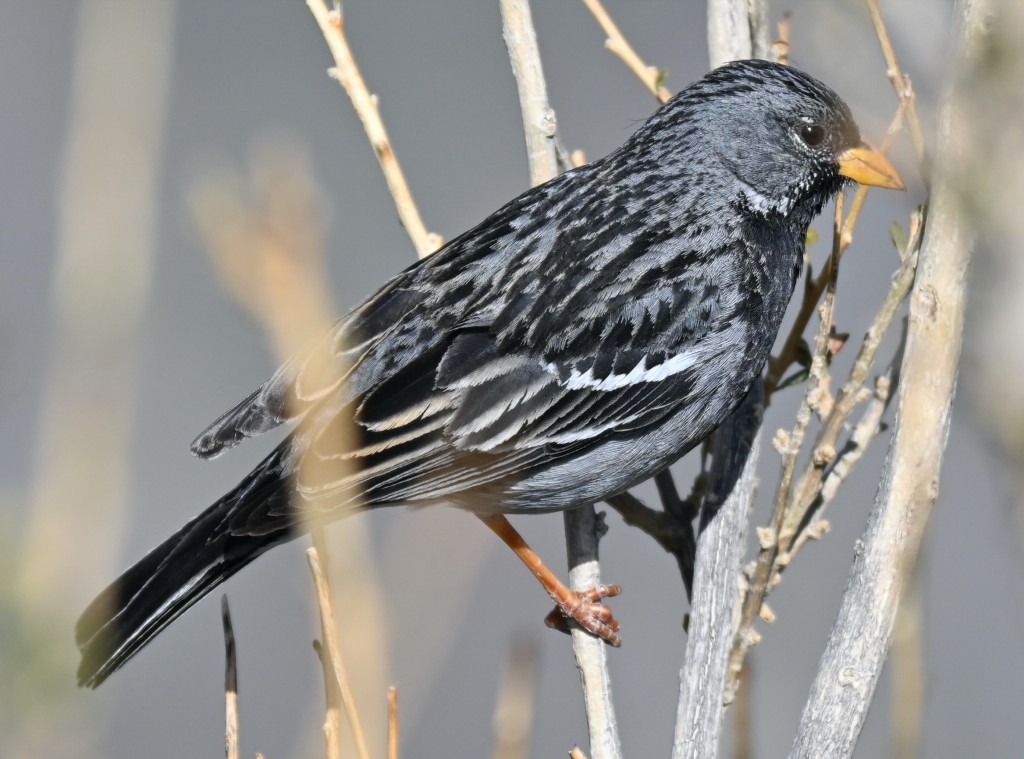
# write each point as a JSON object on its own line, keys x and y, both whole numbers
{"x": 716, "y": 595}
{"x": 539, "y": 121}
{"x": 230, "y": 683}
{"x": 736, "y": 29}
{"x": 330, "y": 637}
{"x": 901, "y": 85}
{"x": 392, "y": 722}
{"x": 581, "y": 534}
{"x": 789, "y": 445}
{"x": 616, "y": 43}
{"x": 853, "y": 659}
{"x": 347, "y": 73}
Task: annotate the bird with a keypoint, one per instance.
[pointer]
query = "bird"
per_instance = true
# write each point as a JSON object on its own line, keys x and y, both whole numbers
{"x": 575, "y": 343}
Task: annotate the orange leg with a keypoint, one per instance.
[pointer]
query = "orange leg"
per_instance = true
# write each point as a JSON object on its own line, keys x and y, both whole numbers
{"x": 582, "y": 607}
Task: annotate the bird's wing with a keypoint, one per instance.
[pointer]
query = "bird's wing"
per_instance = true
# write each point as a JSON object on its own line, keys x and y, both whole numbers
{"x": 498, "y": 395}
{"x": 311, "y": 375}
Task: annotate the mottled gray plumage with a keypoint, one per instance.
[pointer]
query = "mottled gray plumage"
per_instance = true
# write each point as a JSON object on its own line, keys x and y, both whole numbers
{"x": 577, "y": 341}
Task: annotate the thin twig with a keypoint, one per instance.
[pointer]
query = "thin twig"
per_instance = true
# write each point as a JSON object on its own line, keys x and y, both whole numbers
{"x": 617, "y": 43}
{"x": 900, "y": 84}
{"x": 347, "y": 73}
{"x": 789, "y": 445}
{"x": 852, "y": 662}
{"x": 392, "y": 722}
{"x": 580, "y": 524}
{"x": 332, "y": 692}
{"x": 824, "y": 449}
{"x": 539, "y": 121}
{"x": 230, "y": 683}
{"x": 330, "y": 637}
{"x": 780, "y": 48}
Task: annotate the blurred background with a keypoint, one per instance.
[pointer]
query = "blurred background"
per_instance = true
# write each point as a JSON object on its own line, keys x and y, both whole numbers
{"x": 149, "y": 147}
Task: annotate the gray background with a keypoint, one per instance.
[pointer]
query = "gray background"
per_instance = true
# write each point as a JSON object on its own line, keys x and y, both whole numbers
{"x": 242, "y": 71}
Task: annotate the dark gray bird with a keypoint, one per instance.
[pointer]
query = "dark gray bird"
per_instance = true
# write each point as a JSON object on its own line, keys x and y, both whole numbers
{"x": 573, "y": 344}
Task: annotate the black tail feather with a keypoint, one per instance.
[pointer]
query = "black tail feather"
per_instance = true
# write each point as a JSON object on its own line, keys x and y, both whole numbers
{"x": 178, "y": 573}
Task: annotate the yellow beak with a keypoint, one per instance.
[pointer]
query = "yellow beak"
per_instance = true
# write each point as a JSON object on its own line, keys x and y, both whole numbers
{"x": 867, "y": 166}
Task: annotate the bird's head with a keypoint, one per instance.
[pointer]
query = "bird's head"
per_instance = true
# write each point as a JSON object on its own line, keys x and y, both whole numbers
{"x": 780, "y": 141}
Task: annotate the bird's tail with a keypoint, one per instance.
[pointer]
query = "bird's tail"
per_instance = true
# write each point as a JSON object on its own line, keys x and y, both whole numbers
{"x": 176, "y": 574}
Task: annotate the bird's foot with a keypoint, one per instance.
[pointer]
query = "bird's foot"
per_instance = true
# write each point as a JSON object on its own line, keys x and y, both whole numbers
{"x": 585, "y": 609}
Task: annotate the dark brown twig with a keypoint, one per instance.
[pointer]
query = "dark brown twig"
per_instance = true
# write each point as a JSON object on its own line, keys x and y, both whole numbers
{"x": 230, "y": 683}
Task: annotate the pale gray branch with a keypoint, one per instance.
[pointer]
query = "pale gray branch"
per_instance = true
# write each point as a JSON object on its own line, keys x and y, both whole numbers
{"x": 856, "y": 650}
{"x": 581, "y": 535}
{"x": 538, "y": 117}
{"x": 733, "y": 26}
{"x": 717, "y": 596}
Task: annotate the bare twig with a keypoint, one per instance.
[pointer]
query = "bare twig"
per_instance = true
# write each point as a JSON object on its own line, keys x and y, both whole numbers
{"x": 852, "y": 662}
{"x": 392, "y": 722}
{"x": 580, "y": 524}
{"x": 330, "y": 640}
{"x": 735, "y": 449}
{"x": 582, "y": 532}
{"x": 789, "y": 445}
{"x": 230, "y": 683}
{"x": 617, "y": 43}
{"x": 901, "y": 85}
{"x": 780, "y": 48}
{"x": 539, "y": 121}
{"x": 850, "y": 394}
{"x": 347, "y": 73}
{"x": 906, "y": 663}
{"x": 737, "y": 29}
{"x": 332, "y": 690}
{"x": 716, "y": 593}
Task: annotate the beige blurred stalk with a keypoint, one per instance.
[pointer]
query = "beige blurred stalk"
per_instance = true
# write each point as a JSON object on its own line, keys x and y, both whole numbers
{"x": 994, "y": 186}
{"x": 107, "y": 213}
{"x": 265, "y": 234}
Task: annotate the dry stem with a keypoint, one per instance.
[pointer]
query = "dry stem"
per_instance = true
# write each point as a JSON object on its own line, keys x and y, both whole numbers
{"x": 901, "y": 85}
{"x": 230, "y": 683}
{"x": 617, "y": 43}
{"x": 330, "y": 637}
{"x": 580, "y": 524}
{"x": 789, "y": 445}
{"x": 392, "y": 722}
{"x": 347, "y": 73}
{"x": 856, "y": 650}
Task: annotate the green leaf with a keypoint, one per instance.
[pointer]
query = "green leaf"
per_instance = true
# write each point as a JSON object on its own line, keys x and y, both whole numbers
{"x": 899, "y": 237}
{"x": 803, "y": 354}
{"x": 812, "y": 237}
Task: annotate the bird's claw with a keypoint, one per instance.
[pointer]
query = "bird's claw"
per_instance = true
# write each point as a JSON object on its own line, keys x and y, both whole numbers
{"x": 585, "y": 609}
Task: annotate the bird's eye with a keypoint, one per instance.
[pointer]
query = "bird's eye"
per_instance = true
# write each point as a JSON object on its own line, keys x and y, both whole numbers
{"x": 812, "y": 134}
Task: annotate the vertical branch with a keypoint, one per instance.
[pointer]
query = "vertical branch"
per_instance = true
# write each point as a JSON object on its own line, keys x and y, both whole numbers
{"x": 580, "y": 524}
{"x": 538, "y": 117}
{"x": 732, "y": 29}
{"x": 392, "y": 722}
{"x": 716, "y": 594}
{"x": 330, "y": 637}
{"x": 853, "y": 659}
